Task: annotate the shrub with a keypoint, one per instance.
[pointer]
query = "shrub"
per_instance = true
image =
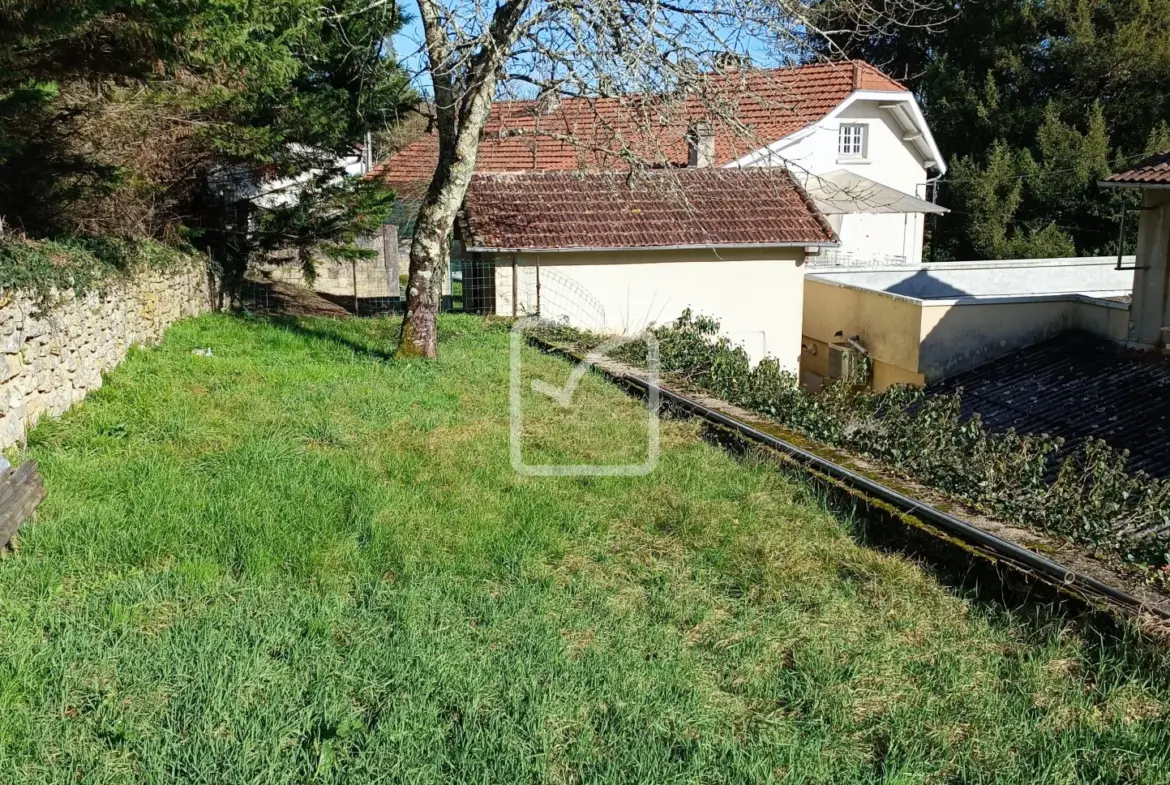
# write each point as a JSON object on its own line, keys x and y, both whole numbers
{"x": 80, "y": 264}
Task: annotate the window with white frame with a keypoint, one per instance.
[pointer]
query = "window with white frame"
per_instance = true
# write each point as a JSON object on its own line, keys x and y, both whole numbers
{"x": 851, "y": 140}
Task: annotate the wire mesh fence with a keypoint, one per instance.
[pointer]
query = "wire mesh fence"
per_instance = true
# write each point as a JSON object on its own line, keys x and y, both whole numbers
{"x": 523, "y": 289}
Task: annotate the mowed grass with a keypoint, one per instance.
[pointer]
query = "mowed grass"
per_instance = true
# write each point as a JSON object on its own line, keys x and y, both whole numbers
{"x": 299, "y": 561}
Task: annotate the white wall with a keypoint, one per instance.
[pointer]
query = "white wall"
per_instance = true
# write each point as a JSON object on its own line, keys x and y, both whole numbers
{"x": 756, "y": 294}
{"x": 880, "y": 236}
{"x": 1151, "y": 291}
{"x": 889, "y": 160}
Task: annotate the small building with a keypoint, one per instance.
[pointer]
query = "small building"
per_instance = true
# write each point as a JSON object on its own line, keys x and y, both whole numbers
{"x": 616, "y": 253}
{"x": 1151, "y": 289}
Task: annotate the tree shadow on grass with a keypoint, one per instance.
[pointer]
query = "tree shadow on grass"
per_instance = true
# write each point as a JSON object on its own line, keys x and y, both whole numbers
{"x": 333, "y": 332}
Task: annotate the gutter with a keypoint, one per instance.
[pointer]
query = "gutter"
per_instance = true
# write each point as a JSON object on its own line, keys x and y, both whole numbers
{"x": 1143, "y": 186}
{"x": 611, "y": 248}
{"x": 1066, "y": 578}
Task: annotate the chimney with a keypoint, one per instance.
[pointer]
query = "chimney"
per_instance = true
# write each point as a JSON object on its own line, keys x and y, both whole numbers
{"x": 730, "y": 62}
{"x": 547, "y": 102}
{"x": 701, "y": 145}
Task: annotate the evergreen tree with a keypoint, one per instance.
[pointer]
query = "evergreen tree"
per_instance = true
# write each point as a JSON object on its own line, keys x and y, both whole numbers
{"x": 1032, "y": 103}
{"x": 180, "y": 120}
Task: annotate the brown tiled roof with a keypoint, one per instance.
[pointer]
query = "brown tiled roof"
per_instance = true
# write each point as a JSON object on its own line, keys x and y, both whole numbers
{"x": 1155, "y": 170}
{"x": 658, "y": 208}
{"x": 605, "y": 133}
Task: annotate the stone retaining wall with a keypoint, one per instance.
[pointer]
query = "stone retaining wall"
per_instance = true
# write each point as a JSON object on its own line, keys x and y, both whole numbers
{"x": 51, "y": 357}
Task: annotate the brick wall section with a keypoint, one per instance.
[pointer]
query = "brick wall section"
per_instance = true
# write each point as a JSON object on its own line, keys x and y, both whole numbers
{"x": 51, "y": 358}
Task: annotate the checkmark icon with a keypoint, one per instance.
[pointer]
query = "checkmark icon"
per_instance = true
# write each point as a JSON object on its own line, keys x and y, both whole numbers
{"x": 562, "y": 396}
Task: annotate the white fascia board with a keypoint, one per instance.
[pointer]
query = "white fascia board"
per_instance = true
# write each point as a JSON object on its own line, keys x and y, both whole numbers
{"x": 1144, "y": 186}
{"x": 914, "y": 112}
{"x": 625, "y": 248}
{"x": 905, "y": 99}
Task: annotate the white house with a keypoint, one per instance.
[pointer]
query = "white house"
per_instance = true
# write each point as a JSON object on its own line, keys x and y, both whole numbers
{"x": 853, "y": 139}
{"x": 867, "y": 163}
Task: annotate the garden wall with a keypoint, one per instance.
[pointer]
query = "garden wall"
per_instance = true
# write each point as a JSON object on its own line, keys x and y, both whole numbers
{"x": 53, "y": 353}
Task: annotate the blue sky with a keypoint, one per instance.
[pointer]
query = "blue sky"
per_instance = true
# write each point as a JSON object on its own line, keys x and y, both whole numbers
{"x": 409, "y": 40}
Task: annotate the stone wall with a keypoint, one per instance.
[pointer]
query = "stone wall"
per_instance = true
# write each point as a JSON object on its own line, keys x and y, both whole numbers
{"x": 52, "y": 355}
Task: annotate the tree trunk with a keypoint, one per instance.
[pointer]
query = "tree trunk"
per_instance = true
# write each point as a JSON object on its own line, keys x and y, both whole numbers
{"x": 462, "y": 106}
{"x": 430, "y": 250}
{"x": 430, "y": 253}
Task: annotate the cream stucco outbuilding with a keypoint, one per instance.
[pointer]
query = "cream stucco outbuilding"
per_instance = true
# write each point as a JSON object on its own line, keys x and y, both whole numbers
{"x": 756, "y": 293}
{"x": 614, "y": 255}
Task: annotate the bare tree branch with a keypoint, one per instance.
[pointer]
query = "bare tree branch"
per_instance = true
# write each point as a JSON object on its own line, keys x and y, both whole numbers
{"x": 634, "y": 75}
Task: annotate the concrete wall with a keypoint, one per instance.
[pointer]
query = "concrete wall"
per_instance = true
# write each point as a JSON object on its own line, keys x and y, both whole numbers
{"x": 967, "y": 312}
{"x": 1151, "y": 290}
{"x": 917, "y": 341}
{"x": 960, "y": 336}
{"x": 1095, "y": 276}
{"x": 756, "y": 294}
{"x": 887, "y": 325}
{"x": 1106, "y": 318}
{"x": 955, "y": 338}
{"x": 51, "y": 358}
{"x": 367, "y": 278}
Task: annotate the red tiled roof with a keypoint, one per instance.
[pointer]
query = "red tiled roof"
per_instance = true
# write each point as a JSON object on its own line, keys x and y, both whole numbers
{"x": 657, "y": 208}
{"x": 1155, "y": 170}
{"x": 605, "y": 133}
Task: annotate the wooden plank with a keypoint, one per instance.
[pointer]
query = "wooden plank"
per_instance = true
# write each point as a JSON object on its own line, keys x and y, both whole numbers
{"x": 13, "y": 479}
{"x": 21, "y": 513}
{"x": 390, "y": 259}
{"x": 21, "y": 491}
{"x": 14, "y": 503}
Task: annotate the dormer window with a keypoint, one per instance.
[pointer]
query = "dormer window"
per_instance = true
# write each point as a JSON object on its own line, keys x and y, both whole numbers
{"x": 851, "y": 140}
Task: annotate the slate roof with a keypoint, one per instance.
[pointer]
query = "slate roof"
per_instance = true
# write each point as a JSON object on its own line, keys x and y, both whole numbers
{"x": 658, "y": 208}
{"x": 1077, "y": 386}
{"x": 603, "y": 133}
{"x": 1154, "y": 170}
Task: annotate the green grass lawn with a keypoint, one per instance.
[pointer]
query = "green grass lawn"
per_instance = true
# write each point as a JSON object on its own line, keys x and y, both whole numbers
{"x": 298, "y": 561}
